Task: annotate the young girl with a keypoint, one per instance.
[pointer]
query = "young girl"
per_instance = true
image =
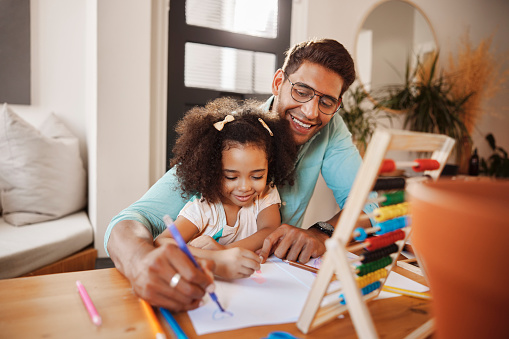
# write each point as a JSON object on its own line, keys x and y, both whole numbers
{"x": 230, "y": 156}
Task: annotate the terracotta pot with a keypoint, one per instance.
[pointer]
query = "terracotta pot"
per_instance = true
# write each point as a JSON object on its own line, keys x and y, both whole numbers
{"x": 461, "y": 234}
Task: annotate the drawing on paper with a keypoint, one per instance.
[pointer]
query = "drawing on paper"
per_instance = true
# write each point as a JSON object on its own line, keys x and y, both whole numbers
{"x": 316, "y": 262}
{"x": 218, "y": 315}
{"x": 258, "y": 277}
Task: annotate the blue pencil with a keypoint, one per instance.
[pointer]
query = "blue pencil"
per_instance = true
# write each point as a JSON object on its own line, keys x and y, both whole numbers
{"x": 173, "y": 323}
{"x": 182, "y": 245}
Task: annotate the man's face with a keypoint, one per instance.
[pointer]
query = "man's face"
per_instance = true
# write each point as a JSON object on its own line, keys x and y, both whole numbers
{"x": 305, "y": 118}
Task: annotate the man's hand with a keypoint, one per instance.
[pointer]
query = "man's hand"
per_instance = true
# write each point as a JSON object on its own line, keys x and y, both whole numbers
{"x": 151, "y": 279}
{"x": 150, "y": 269}
{"x": 294, "y": 244}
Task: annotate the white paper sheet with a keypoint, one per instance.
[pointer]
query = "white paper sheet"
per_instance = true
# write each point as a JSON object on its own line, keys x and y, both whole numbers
{"x": 275, "y": 295}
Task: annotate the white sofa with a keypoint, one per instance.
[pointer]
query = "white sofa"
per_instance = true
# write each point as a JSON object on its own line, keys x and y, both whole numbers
{"x": 44, "y": 226}
{"x": 48, "y": 247}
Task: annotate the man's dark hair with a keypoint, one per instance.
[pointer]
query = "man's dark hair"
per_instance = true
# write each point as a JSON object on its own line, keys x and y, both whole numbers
{"x": 325, "y": 52}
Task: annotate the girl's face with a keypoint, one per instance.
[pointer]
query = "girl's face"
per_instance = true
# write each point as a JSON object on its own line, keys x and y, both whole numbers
{"x": 245, "y": 170}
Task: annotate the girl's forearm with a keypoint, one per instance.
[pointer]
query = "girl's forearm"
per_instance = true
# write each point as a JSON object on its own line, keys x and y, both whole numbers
{"x": 201, "y": 253}
{"x": 255, "y": 241}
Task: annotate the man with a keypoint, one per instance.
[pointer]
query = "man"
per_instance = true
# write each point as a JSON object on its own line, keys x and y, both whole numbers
{"x": 307, "y": 92}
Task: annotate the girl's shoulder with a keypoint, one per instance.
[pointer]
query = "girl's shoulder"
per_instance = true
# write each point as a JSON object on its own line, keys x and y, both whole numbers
{"x": 269, "y": 194}
{"x": 269, "y": 189}
{"x": 202, "y": 213}
{"x": 199, "y": 205}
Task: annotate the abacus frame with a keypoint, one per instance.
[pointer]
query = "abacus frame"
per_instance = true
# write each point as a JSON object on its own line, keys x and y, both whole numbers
{"x": 335, "y": 260}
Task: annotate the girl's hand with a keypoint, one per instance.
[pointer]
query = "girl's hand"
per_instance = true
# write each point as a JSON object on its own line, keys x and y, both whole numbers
{"x": 206, "y": 242}
{"x": 235, "y": 263}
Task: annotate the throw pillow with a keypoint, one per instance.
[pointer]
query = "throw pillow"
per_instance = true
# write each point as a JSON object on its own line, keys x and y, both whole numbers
{"x": 42, "y": 173}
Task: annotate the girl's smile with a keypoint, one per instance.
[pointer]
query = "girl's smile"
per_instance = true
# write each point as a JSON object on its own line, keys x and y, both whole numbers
{"x": 245, "y": 170}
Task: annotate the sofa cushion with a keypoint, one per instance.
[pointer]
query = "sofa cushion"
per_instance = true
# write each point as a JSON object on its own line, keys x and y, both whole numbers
{"x": 27, "y": 248}
{"x": 41, "y": 172}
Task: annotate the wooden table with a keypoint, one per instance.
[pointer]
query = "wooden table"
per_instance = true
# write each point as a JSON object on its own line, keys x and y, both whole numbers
{"x": 49, "y": 306}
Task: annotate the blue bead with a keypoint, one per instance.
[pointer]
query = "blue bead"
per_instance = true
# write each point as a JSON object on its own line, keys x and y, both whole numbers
{"x": 393, "y": 224}
{"x": 362, "y": 234}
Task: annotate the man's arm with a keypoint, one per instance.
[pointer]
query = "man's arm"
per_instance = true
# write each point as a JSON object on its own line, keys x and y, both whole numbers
{"x": 129, "y": 242}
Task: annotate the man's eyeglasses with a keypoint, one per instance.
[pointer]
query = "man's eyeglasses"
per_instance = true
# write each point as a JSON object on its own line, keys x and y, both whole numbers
{"x": 303, "y": 93}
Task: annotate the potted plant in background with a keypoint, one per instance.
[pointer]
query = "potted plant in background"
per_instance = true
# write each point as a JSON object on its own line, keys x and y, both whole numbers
{"x": 497, "y": 165}
{"x": 448, "y": 101}
{"x": 360, "y": 116}
{"x": 476, "y": 71}
{"x": 427, "y": 101}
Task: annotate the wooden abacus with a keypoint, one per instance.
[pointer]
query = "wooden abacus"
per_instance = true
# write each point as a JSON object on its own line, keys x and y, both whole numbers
{"x": 361, "y": 283}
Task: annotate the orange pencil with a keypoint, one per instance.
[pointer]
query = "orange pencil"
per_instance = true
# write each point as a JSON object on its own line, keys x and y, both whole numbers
{"x": 156, "y": 326}
{"x": 299, "y": 265}
{"x": 305, "y": 267}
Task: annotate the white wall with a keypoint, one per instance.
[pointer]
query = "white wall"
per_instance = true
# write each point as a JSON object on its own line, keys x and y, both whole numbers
{"x": 57, "y": 62}
{"x": 91, "y": 65}
{"x": 120, "y": 161}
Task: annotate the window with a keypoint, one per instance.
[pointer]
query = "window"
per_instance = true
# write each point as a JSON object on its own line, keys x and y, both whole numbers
{"x": 228, "y": 69}
{"x": 256, "y": 18}
{"x": 223, "y": 48}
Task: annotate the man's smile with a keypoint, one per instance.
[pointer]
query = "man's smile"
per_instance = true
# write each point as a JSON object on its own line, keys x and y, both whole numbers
{"x": 300, "y": 123}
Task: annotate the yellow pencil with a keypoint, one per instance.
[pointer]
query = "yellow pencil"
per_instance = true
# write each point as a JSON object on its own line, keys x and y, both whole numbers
{"x": 156, "y": 326}
{"x": 421, "y": 295}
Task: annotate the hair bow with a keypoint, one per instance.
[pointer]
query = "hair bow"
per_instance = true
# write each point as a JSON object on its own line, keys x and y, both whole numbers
{"x": 220, "y": 124}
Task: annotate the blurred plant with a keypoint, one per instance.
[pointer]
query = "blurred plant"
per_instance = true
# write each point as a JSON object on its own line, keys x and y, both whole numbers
{"x": 397, "y": 98}
{"x": 360, "y": 116}
{"x": 497, "y": 165}
{"x": 477, "y": 73}
{"x": 428, "y": 101}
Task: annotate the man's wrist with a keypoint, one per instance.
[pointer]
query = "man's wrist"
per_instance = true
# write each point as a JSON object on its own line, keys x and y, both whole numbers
{"x": 322, "y": 237}
{"x": 323, "y": 227}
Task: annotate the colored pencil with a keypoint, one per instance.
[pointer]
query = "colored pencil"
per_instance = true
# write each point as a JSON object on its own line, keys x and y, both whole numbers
{"x": 421, "y": 295}
{"x": 299, "y": 265}
{"x": 182, "y": 245}
{"x": 179, "y": 333}
{"x": 89, "y": 305}
{"x": 152, "y": 318}
{"x": 305, "y": 267}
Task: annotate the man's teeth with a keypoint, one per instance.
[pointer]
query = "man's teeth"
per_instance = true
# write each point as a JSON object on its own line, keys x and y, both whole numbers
{"x": 300, "y": 123}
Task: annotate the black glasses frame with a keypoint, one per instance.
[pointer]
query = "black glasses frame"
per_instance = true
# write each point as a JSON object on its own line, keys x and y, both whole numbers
{"x": 340, "y": 100}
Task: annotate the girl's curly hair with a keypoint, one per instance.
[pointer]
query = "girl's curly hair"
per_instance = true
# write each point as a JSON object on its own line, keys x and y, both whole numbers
{"x": 199, "y": 147}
